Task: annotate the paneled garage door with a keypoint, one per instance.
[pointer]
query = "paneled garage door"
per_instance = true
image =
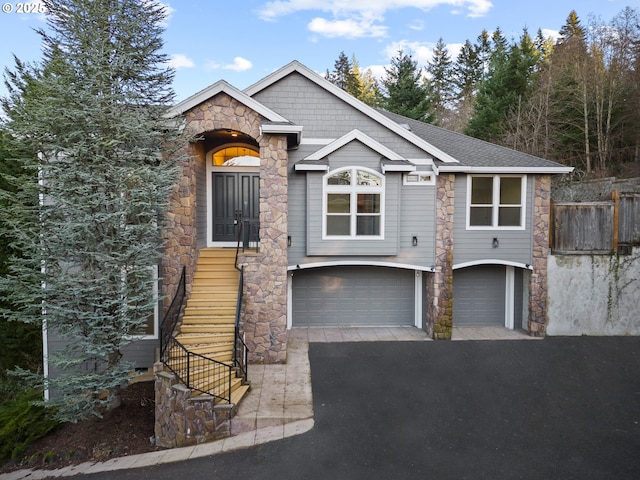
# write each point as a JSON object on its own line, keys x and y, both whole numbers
{"x": 353, "y": 296}
{"x": 479, "y": 296}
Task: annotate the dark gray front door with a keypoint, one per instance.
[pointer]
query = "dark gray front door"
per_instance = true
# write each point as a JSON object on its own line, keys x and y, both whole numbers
{"x": 235, "y": 199}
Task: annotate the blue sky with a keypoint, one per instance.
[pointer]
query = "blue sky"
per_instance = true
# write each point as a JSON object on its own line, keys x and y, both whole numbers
{"x": 242, "y": 41}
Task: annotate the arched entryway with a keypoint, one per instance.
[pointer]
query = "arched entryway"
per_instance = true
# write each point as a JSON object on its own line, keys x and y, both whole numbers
{"x": 233, "y": 188}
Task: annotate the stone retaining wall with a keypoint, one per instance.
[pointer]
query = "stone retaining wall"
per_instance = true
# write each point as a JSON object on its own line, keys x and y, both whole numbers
{"x": 183, "y": 419}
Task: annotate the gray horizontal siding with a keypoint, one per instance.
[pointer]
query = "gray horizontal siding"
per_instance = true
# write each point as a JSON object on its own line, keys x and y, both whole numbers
{"x": 476, "y": 245}
{"x": 413, "y": 215}
{"x": 353, "y": 154}
{"x": 297, "y": 215}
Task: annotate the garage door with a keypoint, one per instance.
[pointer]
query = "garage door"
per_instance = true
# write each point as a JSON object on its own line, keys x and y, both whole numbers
{"x": 353, "y": 296}
{"x": 479, "y": 296}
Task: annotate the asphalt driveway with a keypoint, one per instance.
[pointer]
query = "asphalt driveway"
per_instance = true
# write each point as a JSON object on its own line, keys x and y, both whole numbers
{"x": 559, "y": 408}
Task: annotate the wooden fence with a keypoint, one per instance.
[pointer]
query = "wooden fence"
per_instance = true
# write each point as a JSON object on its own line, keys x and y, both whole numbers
{"x": 596, "y": 227}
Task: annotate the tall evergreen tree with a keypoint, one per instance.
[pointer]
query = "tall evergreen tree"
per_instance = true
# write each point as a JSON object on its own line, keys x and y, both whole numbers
{"x": 343, "y": 75}
{"x": 20, "y": 343}
{"x": 406, "y": 93}
{"x": 93, "y": 111}
{"x": 483, "y": 49}
{"x": 466, "y": 74}
{"x": 440, "y": 70}
{"x": 505, "y": 88}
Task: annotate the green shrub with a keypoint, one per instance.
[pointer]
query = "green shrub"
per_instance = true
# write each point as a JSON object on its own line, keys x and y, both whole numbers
{"x": 22, "y": 422}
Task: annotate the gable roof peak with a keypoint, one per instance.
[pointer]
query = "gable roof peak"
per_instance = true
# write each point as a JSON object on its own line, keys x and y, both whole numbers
{"x": 222, "y": 86}
{"x": 296, "y": 66}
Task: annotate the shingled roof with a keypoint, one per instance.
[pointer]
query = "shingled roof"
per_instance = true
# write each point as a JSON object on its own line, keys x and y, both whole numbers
{"x": 474, "y": 154}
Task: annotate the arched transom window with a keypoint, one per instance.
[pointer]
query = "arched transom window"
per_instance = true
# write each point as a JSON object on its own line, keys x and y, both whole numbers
{"x": 236, "y": 156}
{"x": 353, "y": 203}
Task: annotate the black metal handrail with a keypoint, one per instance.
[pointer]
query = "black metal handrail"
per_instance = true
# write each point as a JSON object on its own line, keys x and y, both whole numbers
{"x": 198, "y": 372}
{"x": 171, "y": 318}
{"x": 195, "y": 371}
{"x": 239, "y": 346}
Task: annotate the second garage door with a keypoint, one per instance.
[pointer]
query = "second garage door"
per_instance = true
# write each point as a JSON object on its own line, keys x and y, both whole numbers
{"x": 353, "y": 296}
{"x": 479, "y": 296}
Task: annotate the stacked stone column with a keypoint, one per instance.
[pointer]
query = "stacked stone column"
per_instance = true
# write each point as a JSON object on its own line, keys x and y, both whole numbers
{"x": 440, "y": 283}
{"x": 179, "y": 232}
{"x": 538, "y": 279}
{"x": 266, "y": 272}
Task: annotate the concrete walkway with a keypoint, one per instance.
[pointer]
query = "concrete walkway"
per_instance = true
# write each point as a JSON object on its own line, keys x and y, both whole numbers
{"x": 279, "y": 404}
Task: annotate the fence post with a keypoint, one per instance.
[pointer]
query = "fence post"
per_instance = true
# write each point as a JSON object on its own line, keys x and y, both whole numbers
{"x": 551, "y": 226}
{"x": 615, "y": 196}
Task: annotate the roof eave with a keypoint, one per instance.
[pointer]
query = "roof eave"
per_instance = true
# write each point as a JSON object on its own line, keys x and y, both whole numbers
{"x": 513, "y": 170}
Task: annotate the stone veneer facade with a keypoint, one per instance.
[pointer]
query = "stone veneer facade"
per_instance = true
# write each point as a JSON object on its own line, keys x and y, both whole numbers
{"x": 538, "y": 318}
{"x": 440, "y": 283}
{"x": 183, "y": 418}
{"x": 265, "y": 272}
{"x": 265, "y": 313}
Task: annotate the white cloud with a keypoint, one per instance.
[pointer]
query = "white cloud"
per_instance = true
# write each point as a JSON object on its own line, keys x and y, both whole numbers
{"x": 417, "y": 25}
{"x": 421, "y": 52}
{"x": 349, "y": 28}
{"x": 341, "y": 8}
{"x": 553, "y": 34}
{"x": 212, "y": 65}
{"x": 168, "y": 11}
{"x": 239, "y": 65}
{"x": 180, "y": 60}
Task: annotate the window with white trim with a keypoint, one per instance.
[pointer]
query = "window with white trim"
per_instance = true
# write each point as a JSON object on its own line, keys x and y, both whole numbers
{"x": 353, "y": 203}
{"x": 419, "y": 178}
{"x": 496, "y": 201}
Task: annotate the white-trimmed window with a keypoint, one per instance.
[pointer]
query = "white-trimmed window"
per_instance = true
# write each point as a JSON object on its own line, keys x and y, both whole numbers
{"x": 419, "y": 178}
{"x": 496, "y": 201}
{"x": 353, "y": 203}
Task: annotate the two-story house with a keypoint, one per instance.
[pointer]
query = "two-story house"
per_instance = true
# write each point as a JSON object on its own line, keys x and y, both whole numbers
{"x": 365, "y": 217}
{"x": 360, "y": 218}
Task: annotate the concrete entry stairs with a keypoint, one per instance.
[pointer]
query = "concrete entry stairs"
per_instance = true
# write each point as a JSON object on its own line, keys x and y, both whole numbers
{"x": 208, "y": 325}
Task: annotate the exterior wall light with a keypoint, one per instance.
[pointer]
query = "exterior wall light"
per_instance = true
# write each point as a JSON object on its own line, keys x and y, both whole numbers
{"x": 496, "y": 242}
{"x": 414, "y": 241}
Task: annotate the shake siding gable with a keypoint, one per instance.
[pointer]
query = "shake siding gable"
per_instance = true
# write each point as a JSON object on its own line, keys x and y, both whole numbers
{"x": 477, "y": 245}
{"x": 325, "y": 116}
